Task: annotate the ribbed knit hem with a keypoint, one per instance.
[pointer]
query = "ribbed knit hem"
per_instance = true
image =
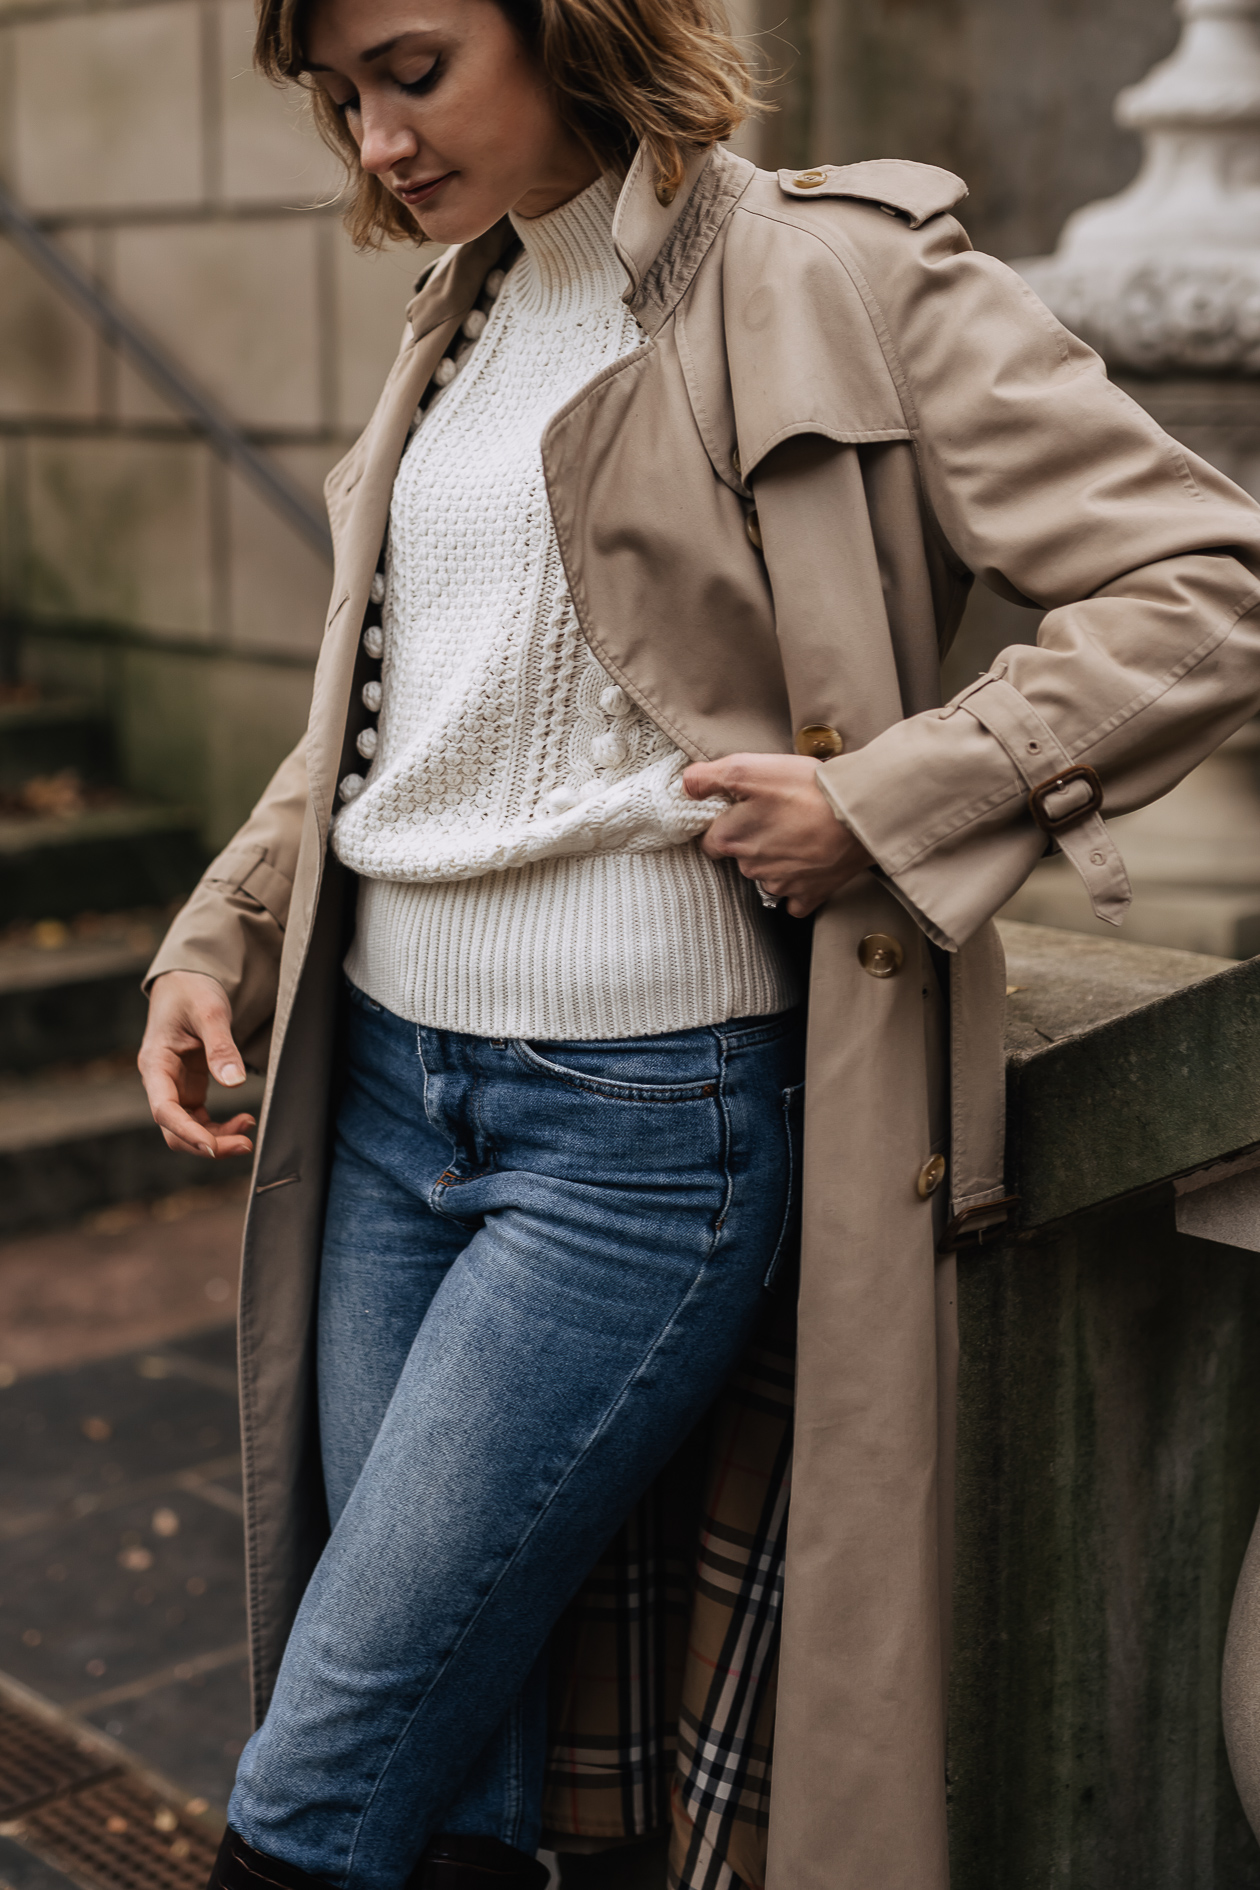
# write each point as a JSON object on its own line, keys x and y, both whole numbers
{"x": 583, "y": 946}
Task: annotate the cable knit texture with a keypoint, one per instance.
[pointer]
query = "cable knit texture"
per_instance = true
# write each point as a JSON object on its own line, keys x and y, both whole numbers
{"x": 528, "y": 853}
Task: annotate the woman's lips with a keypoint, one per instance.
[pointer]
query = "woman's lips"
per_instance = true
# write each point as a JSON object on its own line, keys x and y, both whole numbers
{"x": 421, "y": 193}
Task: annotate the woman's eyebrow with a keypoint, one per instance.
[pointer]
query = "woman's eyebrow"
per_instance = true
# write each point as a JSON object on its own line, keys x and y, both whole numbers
{"x": 364, "y": 58}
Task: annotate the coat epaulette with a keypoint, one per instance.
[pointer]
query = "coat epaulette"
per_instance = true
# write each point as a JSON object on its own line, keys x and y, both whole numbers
{"x": 913, "y": 191}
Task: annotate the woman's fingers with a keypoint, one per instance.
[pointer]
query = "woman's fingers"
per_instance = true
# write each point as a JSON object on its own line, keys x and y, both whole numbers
{"x": 704, "y": 779}
{"x": 191, "y": 1131}
{"x": 779, "y": 828}
{"x": 189, "y": 1037}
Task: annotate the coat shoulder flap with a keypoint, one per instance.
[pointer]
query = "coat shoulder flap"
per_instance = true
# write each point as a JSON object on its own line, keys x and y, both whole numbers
{"x": 913, "y": 191}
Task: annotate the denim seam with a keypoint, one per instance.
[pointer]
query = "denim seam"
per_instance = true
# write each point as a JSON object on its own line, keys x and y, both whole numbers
{"x": 725, "y": 1117}
{"x": 570, "y": 1472}
{"x": 608, "y": 1089}
{"x": 789, "y": 1095}
{"x": 441, "y": 1129}
{"x": 752, "y": 1036}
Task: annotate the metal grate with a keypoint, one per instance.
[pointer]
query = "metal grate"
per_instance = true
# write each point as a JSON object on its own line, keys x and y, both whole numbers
{"x": 118, "y": 1835}
{"x": 38, "y": 1763}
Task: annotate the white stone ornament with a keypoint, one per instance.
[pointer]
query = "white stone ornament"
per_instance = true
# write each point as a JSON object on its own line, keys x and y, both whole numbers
{"x": 445, "y": 371}
{"x": 351, "y": 786}
{"x": 376, "y": 590}
{"x": 366, "y": 742}
{"x": 374, "y": 641}
{"x": 493, "y": 283}
{"x": 1165, "y": 277}
{"x": 475, "y": 324}
{"x": 372, "y": 697}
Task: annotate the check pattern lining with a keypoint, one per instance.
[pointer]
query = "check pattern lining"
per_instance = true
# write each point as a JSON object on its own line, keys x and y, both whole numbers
{"x": 669, "y": 1653}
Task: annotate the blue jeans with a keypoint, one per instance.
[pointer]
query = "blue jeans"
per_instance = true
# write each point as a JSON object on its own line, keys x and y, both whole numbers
{"x": 541, "y": 1260}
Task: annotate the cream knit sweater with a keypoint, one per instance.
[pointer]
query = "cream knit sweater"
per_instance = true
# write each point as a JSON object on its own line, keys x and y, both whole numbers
{"x": 527, "y": 853}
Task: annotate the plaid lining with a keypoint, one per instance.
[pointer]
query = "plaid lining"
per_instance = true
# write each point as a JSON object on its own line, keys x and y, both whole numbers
{"x": 666, "y": 1708}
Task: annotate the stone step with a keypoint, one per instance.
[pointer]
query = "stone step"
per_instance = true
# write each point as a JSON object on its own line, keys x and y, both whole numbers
{"x": 74, "y": 998}
{"x": 74, "y": 1139}
{"x": 98, "y": 860}
{"x": 44, "y": 738}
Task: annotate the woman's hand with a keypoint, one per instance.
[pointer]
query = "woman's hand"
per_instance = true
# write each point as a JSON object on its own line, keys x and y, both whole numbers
{"x": 779, "y": 828}
{"x": 188, "y": 1039}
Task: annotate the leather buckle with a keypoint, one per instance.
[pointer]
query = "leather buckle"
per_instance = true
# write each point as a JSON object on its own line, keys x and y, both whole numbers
{"x": 1055, "y": 823}
{"x": 977, "y": 1226}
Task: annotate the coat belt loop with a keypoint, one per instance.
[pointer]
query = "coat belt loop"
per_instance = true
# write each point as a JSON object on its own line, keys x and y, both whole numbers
{"x": 1040, "y": 758}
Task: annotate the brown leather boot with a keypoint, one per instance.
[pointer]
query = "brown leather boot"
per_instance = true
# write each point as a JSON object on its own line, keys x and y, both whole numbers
{"x": 240, "y": 1867}
{"x": 477, "y": 1863}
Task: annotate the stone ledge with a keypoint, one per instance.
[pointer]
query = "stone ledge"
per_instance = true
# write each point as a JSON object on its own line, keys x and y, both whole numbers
{"x": 1127, "y": 1065}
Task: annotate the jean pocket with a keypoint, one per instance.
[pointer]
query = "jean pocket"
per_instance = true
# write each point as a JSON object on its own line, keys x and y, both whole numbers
{"x": 788, "y": 1244}
{"x": 602, "y": 1070}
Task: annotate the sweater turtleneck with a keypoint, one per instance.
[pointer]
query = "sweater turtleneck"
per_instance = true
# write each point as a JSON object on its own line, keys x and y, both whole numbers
{"x": 528, "y": 858}
{"x": 568, "y": 260}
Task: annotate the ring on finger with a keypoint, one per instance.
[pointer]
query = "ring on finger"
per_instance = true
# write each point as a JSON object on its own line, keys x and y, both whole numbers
{"x": 767, "y": 899}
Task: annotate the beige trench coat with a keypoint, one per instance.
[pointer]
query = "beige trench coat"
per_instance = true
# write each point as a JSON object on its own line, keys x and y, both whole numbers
{"x": 902, "y": 414}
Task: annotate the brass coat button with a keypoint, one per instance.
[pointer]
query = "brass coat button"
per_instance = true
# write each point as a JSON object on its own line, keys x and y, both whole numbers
{"x": 810, "y": 180}
{"x": 931, "y": 1175}
{"x": 881, "y": 955}
{"x": 752, "y": 525}
{"x": 819, "y": 741}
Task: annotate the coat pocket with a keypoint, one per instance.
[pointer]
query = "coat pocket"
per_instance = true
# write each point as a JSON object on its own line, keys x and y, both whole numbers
{"x": 787, "y": 1246}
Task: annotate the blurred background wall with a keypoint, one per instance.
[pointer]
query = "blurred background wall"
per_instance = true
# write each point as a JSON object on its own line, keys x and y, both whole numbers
{"x": 135, "y": 569}
{"x": 1014, "y": 95}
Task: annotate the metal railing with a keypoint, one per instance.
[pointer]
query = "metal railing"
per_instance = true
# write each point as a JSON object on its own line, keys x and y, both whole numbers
{"x": 166, "y": 376}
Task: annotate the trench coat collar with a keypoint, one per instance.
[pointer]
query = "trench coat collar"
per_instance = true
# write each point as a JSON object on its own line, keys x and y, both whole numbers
{"x": 661, "y": 245}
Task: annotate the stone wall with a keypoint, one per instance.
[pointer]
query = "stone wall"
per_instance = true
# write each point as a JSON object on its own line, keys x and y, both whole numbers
{"x": 138, "y": 569}
{"x": 1014, "y": 95}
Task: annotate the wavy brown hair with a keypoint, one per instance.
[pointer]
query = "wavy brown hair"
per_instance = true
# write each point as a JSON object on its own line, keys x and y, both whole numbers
{"x": 662, "y": 72}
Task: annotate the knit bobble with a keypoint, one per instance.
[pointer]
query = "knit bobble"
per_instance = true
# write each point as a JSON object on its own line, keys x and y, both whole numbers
{"x": 614, "y": 700}
{"x": 374, "y": 641}
{"x": 351, "y": 787}
{"x": 366, "y": 743}
{"x": 377, "y": 589}
{"x": 372, "y": 697}
{"x": 474, "y": 324}
{"x": 560, "y": 800}
{"x": 493, "y": 283}
{"x": 445, "y": 371}
{"x": 607, "y": 751}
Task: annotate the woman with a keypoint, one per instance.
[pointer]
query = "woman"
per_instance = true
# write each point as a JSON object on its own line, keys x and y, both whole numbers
{"x": 644, "y": 568}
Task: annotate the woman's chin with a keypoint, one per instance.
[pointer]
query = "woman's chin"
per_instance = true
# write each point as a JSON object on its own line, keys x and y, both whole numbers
{"x": 455, "y": 222}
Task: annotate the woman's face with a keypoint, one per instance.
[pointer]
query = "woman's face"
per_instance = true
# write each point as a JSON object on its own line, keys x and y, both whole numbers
{"x": 448, "y": 109}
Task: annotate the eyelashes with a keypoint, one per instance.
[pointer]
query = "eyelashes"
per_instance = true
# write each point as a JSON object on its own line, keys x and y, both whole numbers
{"x": 416, "y": 88}
{"x": 413, "y": 88}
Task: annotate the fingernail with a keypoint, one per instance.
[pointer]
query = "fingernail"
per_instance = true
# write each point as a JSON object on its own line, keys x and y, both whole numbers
{"x": 231, "y": 1073}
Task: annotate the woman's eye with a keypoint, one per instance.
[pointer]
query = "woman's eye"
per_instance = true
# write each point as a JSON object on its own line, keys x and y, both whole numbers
{"x": 344, "y": 105}
{"x": 414, "y": 88}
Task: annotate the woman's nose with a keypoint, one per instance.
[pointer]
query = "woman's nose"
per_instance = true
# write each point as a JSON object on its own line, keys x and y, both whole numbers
{"x": 387, "y": 139}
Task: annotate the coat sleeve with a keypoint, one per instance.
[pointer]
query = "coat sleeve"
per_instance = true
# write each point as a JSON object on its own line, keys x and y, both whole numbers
{"x": 232, "y": 927}
{"x": 1055, "y": 489}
